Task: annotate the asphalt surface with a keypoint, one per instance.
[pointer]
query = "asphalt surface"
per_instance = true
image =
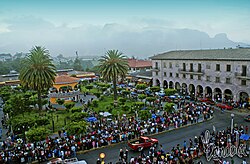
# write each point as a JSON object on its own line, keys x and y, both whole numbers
{"x": 170, "y": 139}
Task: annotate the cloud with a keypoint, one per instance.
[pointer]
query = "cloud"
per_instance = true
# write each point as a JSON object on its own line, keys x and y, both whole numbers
{"x": 133, "y": 39}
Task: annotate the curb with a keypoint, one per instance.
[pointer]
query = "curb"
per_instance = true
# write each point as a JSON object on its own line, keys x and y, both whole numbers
{"x": 165, "y": 131}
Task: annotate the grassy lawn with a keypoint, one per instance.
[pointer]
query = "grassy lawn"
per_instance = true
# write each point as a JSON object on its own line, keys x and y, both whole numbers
{"x": 94, "y": 90}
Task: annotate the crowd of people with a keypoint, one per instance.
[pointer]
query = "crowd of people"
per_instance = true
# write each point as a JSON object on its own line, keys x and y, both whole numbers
{"x": 193, "y": 149}
{"x": 101, "y": 133}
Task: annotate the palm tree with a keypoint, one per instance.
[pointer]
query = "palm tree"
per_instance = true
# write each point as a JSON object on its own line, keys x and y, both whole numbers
{"x": 112, "y": 66}
{"x": 38, "y": 72}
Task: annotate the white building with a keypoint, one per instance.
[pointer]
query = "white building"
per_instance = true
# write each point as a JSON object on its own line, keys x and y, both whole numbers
{"x": 218, "y": 74}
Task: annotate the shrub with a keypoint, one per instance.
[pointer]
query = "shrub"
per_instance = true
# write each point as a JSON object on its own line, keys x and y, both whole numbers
{"x": 155, "y": 89}
{"x": 169, "y": 91}
{"x": 78, "y": 116}
{"x": 76, "y": 109}
{"x": 69, "y": 105}
{"x": 141, "y": 96}
{"x": 95, "y": 103}
{"x": 141, "y": 86}
{"x": 60, "y": 101}
{"x": 41, "y": 121}
{"x": 97, "y": 94}
{"x": 122, "y": 100}
{"x": 125, "y": 107}
{"x": 101, "y": 97}
{"x": 75, "y": 128}
{"x": 89, "y": 87}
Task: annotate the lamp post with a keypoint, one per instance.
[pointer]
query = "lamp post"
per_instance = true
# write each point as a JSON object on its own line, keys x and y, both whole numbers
{"x": 232, "y": 123}
{"x": 102, "y": 156}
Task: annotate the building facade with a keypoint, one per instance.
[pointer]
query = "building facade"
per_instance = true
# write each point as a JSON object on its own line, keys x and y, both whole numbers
{"x": 222, "y": 74}
{"x": 136, "y": 65}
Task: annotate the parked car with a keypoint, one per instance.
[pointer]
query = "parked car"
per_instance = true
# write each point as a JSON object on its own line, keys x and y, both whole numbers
{"x": 142, "y": 143}
{"x": 207, "y": 101}
{"x": 224, "y": 106}
{"x": 247, "y": 118}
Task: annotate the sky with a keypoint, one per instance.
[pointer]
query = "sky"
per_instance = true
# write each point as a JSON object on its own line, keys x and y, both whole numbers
{"x": 93, "y": 26}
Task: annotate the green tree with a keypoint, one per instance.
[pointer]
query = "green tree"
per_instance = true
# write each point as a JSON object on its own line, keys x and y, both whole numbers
{"x": 89, "y": 87}
{"x": 144, "y": 114}
{"x": 77, "y": 64}
{"x": 37, "y": 134}
{"x": 169, "y": 107}
{"x": 113, "y": 65}
{"x": 150, "y": 99}
{"x": 38, "y": 72}
{"x": 74, "y": 128}
{"x": 155, "y": 89}
{"x": 169, "y": 91}
{"x": 141, "y": 86}
{"x": 141, "y": 96}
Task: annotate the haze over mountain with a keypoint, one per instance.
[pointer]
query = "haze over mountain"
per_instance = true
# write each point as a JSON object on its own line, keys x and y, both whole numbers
{"x": 96, "y": 40}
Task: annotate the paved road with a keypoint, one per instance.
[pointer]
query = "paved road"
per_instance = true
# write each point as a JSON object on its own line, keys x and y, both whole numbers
{"x": 169, "y": 139}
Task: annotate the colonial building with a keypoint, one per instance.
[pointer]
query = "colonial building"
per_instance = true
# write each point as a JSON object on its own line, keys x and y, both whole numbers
{"x": 220, "y": 74}
{"x": 136, "y": 65}
{"x": 65, "y": 87}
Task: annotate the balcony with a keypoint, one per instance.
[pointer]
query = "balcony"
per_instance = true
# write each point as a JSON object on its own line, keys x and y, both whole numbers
{"x": 185, "y": 71}
{"x": 242, "y": 76}
{"x": 156, "y": 69}
{"x": 63, "y": 95}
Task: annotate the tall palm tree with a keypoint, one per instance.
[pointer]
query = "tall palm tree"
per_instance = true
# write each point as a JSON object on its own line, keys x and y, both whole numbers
{"x": 38, "y": 72}
{"x": 112, "y": 66}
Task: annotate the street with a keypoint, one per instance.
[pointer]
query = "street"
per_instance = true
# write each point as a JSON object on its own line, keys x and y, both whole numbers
{"x": 169, "y": 139}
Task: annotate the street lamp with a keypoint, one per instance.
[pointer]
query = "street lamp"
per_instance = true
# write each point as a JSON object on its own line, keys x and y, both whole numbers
{"x": 232, "y": 123}
{"x": 102, "y": 156}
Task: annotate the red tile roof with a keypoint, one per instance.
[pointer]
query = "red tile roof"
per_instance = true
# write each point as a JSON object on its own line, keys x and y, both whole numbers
{"x": 65, "y": 79}
{"x": 134, "y": 63}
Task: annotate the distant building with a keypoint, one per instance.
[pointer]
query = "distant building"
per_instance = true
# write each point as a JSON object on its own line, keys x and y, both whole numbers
{"x": 13, "y": 75}
{"x": 5, "y": 57}
{"x": 136, "y": 65}
{"x": 222, "y": 74}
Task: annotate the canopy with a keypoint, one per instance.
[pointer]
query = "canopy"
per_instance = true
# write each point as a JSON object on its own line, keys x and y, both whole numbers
{"x": 244, "y": 137}
{"x": 154, "y": 116}
{"x": 105, "y": 114}
{"x": 91, "y": 119}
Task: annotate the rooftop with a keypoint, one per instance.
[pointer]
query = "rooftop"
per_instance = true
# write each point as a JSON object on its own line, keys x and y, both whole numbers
{"x": 65, "y": 79}
{"x": 135, "y": 63}
{"x": 239, "y": 54}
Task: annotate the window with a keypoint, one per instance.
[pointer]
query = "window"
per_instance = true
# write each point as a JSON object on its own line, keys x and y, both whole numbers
{"x": 165, "y": 73}
{"x": 156, "y": 73}
{"x": 191, "y": 76}
{"x": 170, "y": 74}
{"x": 184, "y": 66}
{"x": 217, "y": 79}
{"x": 191, "y": 67}
{"x": 208, "y": 66}
{"x": 184, "y": 76}
{"x": 228, "y": 68}
{"x": 199, "y": 77}
{"x": 243, "y": 82}
{"x": 156, "y": 65}
{"x": 177, "y": 75}
{"x": 217, "y": 67}
{"x": 208, "y": 78}
{"x": 244, "y": 70}
{"x": 164, "y": 65}
{"x": 199, "y": 67}
{"x": 170, "y": 65}
{"x": 228, "y": 80}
